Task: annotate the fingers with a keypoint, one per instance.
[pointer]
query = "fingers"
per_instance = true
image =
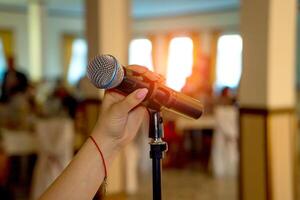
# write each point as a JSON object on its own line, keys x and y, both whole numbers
{"x": 150, "y": 75}
{"x": 123, "y": 104}
{"x": 138, "y": 68}
{"x": 131, "y": 101}
{"x": 144, "y": 128}
{"x": 110, "y": 98}
{"x": 138, "y": 121}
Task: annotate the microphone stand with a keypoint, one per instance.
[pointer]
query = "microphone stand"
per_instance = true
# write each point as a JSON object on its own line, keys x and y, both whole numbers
{"x": 157, "y": 148}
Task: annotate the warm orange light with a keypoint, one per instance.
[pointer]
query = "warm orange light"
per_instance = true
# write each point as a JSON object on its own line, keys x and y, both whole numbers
{"x": 180, "y": 62}
{"x": 140, "y": 53}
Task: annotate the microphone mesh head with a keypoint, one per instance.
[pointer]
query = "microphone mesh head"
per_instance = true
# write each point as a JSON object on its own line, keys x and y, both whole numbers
{"x": 105, "y": 72}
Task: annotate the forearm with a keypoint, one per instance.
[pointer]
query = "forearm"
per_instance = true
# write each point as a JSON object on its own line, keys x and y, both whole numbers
{"x": 84, "y": 175}
{"x": 118, "y": 124}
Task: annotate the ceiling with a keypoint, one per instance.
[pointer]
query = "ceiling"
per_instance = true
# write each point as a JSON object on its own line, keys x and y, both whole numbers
{"x": 140, "y": 8}
{"x": 158, "y": 8}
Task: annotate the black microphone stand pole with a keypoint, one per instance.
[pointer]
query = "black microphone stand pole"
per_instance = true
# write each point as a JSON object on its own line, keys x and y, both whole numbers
{"x": 157, "y": 148}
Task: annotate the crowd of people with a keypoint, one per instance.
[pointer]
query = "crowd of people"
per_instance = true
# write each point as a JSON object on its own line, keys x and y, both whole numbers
{"x": 22, "y": 104}
{"x": 19, "y": 98}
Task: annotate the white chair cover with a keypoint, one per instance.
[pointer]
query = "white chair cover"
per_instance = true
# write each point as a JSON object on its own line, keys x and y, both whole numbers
{"x": 55, "y": 150}
{"x": 225, "y": 150}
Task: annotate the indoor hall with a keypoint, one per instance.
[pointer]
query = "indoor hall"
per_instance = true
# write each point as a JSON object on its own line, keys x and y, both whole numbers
{"x": 239, "y": 59}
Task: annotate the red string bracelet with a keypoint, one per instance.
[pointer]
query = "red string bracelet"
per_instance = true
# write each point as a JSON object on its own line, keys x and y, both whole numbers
{"x": 102, "y": 158}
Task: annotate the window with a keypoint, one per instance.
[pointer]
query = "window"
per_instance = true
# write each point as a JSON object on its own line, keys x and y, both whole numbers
{"x": 180, "y": 62}
{"x": 140, "y": 53}
{"x": 2, "y": 61}
{"x": 229, "y": 61}
{"x": 77, "y": 68}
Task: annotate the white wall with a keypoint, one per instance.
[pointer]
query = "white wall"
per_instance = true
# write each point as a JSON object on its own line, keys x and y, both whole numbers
{"x": 225, "y": 21}
{"x": 56, "y": 26}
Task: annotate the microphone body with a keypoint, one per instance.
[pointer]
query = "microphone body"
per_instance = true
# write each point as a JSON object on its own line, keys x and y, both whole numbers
{"x": 106, "y": 73}
{"x": 159, "y": 95}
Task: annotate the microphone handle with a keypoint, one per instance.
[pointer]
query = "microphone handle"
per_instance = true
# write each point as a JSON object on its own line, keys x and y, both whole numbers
{"x": 160, "y": 96}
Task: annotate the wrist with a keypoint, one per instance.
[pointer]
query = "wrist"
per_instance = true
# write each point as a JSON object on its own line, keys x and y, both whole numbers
{"x": 107, "y": 145}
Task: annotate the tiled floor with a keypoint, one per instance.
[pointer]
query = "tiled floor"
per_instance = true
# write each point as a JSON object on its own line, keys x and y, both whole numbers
{"x": 189, "y": 185}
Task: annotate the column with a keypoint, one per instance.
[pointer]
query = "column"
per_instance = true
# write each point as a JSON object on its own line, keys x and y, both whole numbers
{"x": 108, "y": 32}
{"x": 267, "y": 100}
{"x": 36, "y": 13}
{"x": 108, "y": 28}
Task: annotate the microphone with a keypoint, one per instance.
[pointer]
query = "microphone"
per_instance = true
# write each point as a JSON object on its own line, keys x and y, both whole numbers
{"x": 105, "y": 72}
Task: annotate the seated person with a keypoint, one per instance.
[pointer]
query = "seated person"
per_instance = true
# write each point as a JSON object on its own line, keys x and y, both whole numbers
{"x": 13, "y": 82}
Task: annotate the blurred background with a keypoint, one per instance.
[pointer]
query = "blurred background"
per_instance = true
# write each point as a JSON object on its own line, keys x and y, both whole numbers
{"x": 240, "y": 59}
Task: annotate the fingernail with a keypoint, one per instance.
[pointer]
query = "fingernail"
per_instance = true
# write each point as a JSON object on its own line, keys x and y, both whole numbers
{"x": 141, "y": 93}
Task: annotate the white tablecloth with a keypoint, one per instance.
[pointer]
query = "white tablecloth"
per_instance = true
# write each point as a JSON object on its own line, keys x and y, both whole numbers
{"x": 204, "y": 122}
{"x": 17, "y": 142}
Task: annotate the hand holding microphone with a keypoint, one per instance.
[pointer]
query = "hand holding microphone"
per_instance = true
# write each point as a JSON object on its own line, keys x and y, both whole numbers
{"x": 120, "y": 117}
{"x": 118, "y": 123}
{"x": 105, "y": 72}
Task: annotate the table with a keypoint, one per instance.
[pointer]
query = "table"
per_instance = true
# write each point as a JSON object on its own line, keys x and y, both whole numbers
{"x": 204, "y": 122}
{"x": 18, "y": 143}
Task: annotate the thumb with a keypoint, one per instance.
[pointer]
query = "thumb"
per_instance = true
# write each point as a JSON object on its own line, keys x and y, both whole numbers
{"x": 132, "y": 100}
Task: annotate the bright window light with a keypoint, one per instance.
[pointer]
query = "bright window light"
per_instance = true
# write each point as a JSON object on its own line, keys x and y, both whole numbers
{"x": 2, "y": 61}
{"x": 229, "y": 61}
{"x": 140, "y": 53}
{"x": 180, "y": 62}
{"x": 77, "y": 68}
